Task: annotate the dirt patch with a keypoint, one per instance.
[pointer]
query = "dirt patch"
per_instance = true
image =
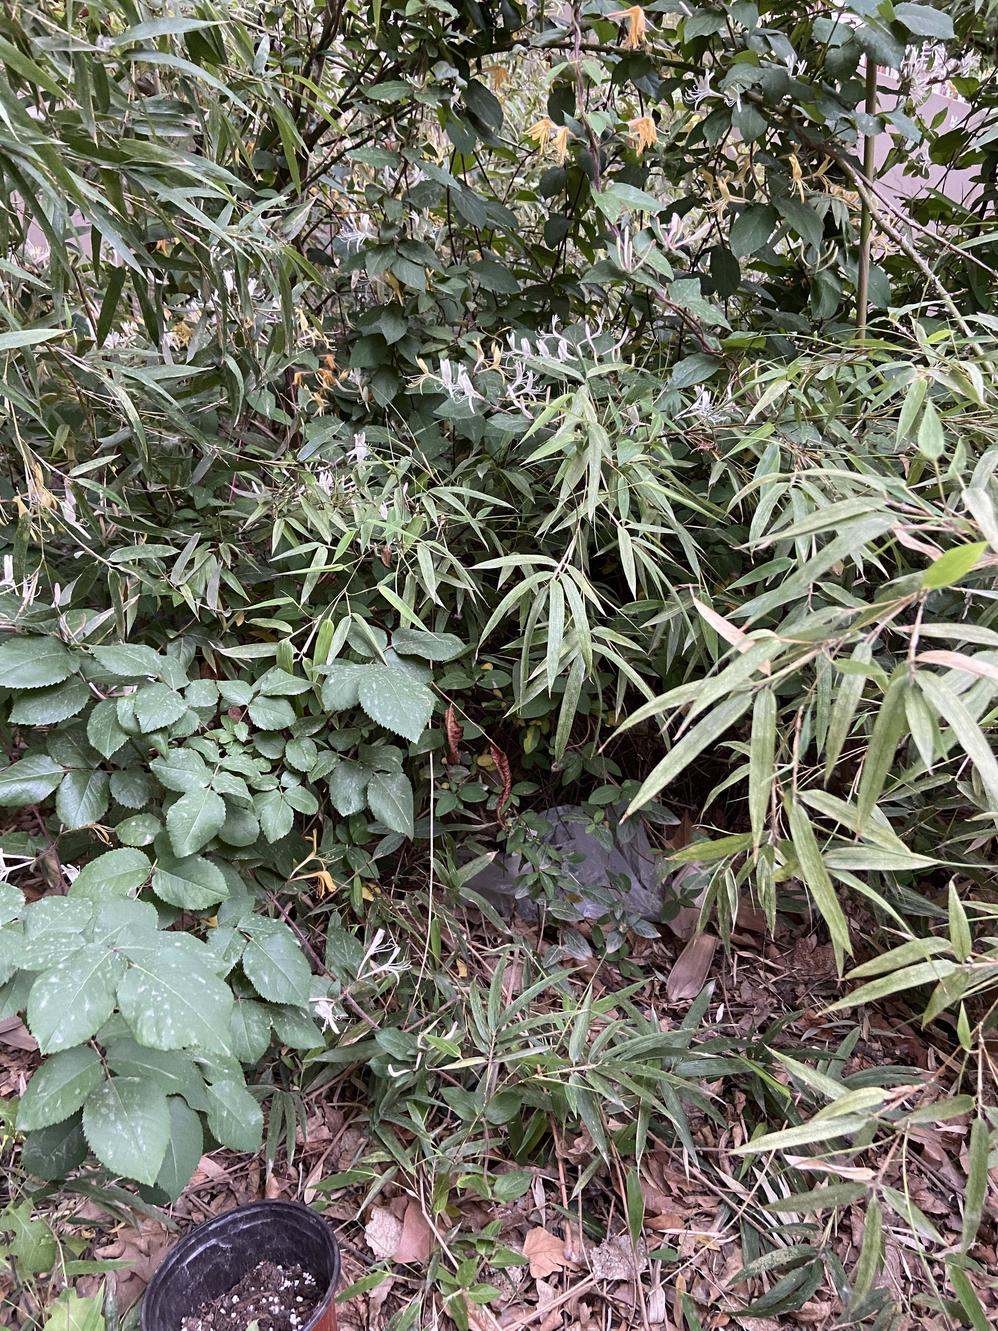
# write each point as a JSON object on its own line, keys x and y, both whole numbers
{"x": 275, "y": 1298}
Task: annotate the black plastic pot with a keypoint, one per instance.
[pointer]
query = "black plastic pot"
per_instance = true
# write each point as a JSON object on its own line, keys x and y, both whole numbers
{"x": 216, "y": 1256}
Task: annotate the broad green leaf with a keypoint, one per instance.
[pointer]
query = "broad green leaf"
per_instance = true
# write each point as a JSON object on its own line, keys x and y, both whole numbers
{"x": 157, "y": 707}
{"x": 189, "y": 882}
{"x": 925, "y": 21}
{"x": 295, "y": 1028}
{"x": 141, "y": 829}
{"x": 923, "y": 972}
{"x": 46, "y": 707}
{"x": 34, "y": 663}
{"x": 116, "y": 873}
{"x": 103, "y": 729}
{"x": 194, "y": 820}
{"x": 173, "y": 1001}
{"x": 276, "y": 814}
{"x": 428, "y": 646}
{"x": 274, "y": 962}
{"x": 126, "y": 1120}
{"x": 235, "y": 1118}
{"x": 82, "y": 798}
{"x": 396, "y": 701}
{"x": 389, "y": 797}
{"x": 129, "y": 661}
{"x": 272, "y": 713}
{"x": 59, "y": 1087}
{"x": 249, "y": 1028}
{"x": 806, "y": 1134}
{"x": 51, "y": 1153}
{"x": 347, "y": 785}
{"x": 341, "y": 687}
{"x": 174, "y": 1072}
{"x": 29, "y": 781}
{"x": 183, "y": 1151}
{"x": 181, "y": 770}
{"x": 71, "y": 1001}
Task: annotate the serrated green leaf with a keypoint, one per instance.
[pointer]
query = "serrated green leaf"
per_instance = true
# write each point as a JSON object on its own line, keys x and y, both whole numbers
{"x": 295, "y": 1028}
{"x": 82, "y": 798}
{"x": 127, "y": 1124}
{"x": 194, "y": 820}
{"x": 173, "y": 1072}
{"x": 272, "y": 713}
{"x": 389, "y": 796}
{"x": 347, "y": 785}
{"x": 46, "y": 707}
{"x": 188, "y": 882}
{"x": 51, "y": 1153}
{"x": 235, "y": 1118}
{"x": 183, "y": 1151}
{"x": 71, "y": 1001}
{"x": 274, "y": 962}
{"x": 181, "y": 770}
{"x": 34, "y": 663}
{"x": 59, "y": 1087}
{"x": 141, "y": 829}
{"x": 117, "y": 873}
{"x": 129, "y": 661}
{"x": 275, "y": 813}
{"x": 428, "y": 646}
{"x": 157, "y": 707}
{"x": 341, "y": 686}
{"x": 29, "y": 781}
{"x": 103, "y": 730}
{"x": 250, "y": 1030}
{"x": 173, "y": 1001}
{"x": 396, "y": 701}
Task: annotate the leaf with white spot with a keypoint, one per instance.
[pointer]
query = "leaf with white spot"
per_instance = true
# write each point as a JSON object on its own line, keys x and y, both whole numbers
{"x": 82, "y": 798}
{"x": 271, "y": 713}
{"x": 193, "y": 820}
{"x": 274, "y": 962}
{"x": 429, "y": 646}
{"x": 34, "y": 663}
{"x": 181, "y": 770}
{"x": 29, "y": 781}
{"x": 347, "y": 784}
{"x": 396, "y": 701}
{"x": 103, "y": 730}
{"x": 250, "y": 1029}
{"x": 190, "y": 882}
{"x": 275, "y": 813}
{"x": 157, "y": 707}
{"x": 184, "y": 1149}
{"x": 127, "y": 1122}
{"x": 171, "y": 1000}
{"x": 235, "y": 1118}
{"x": 59, "y": 1087}
{"x": 389, "y": 797}
{"x": 341, "y": 685}
{"x": 47, "y": 707}
{"x": 117, "y": 873}
{"x": 71, "y": 1001}
{"x": 129, "y": 660}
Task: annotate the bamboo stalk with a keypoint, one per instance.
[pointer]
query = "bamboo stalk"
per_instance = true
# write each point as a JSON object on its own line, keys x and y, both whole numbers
{"x": 865, "y": 222}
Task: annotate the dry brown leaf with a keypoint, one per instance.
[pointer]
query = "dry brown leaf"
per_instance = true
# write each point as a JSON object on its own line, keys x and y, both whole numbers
{"x": 416, "y": 1239}
{"x": 383, "y": 1232}
{"x": 687, "y": 976}
{"x": 545, "y": 1252}
{"x": 616, "y": 1259}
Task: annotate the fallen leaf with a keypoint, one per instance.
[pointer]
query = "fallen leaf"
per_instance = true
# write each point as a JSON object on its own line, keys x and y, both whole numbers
{"x": 416, "y": 1238}
{"x": 616, "y": 1259}
{"x": 383, "y": 1232}
{"x": 687, "y": 976}
{"x": 545, "y": 1252}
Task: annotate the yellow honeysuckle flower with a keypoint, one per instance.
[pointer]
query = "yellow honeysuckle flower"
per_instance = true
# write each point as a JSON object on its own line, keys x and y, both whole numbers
{"x": 540, "y": 131}
{"x": 559, "y": 144}
{"x": 637, "y": 25}
{"x": 645, "y": 133}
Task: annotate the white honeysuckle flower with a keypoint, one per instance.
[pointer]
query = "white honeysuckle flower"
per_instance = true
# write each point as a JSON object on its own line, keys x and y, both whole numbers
{"x": 360, "y": 451}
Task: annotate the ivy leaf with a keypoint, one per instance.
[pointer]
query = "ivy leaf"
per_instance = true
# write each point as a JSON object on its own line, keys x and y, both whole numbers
{"x": 157, "y": 707}
{"x": 34, "y": 663}
{"x": 59, "y": 1087}
{"x": 189, "y": 883}
{"x": 171, "y": 1000}
{"x": 272, "y": 713}
{"x": 129, "y": 661}
{"x": 127, "y": 1123}
{"x": 429, "y": 646}
{"x": 82, "y": 799}
{"x": 71, "y": 1001}
{"x": 274, "y": 962}
{"x": 347, "y": 783}
{"x": 396, "y": 701}
{"x": 117, "y": 873}
{"x": 183, "y": 1151}
{"x": 47, "y": 707}
{"x": 103, "y": 730}
{"x": 235, "y": 1118}
{"x": 250, "y": 1030}
{"x": 389, "y": 796}
{"x": 29, "y": 781}
{"x": 193, "y": 820}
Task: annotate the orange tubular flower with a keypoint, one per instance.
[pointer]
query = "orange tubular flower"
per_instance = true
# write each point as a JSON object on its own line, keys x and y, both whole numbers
{"x": 637, "y": 26}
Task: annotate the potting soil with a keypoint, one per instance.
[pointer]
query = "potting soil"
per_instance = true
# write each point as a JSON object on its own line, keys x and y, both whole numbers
{"x": 275, "y": 1298}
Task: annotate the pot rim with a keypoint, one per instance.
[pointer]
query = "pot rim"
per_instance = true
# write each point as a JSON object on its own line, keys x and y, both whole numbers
{"x": 219, "y": 1222}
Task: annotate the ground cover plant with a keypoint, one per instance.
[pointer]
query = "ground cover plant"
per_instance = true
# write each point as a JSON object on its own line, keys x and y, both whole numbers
{"x": 418, "y": 417}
